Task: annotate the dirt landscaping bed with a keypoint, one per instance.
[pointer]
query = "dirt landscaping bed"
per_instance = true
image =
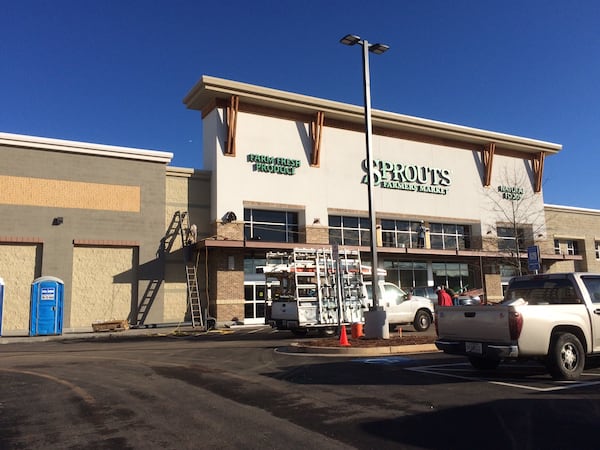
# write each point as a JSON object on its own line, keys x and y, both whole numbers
{"x": 406, "y": 339}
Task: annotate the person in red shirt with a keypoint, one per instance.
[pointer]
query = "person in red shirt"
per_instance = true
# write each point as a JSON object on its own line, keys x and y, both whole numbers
{"x": 444, "y": 298}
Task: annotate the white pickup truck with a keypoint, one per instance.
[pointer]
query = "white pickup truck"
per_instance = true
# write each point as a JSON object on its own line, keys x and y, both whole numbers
{"x": 402, "y": 308}
{"x": 554, "y": 318}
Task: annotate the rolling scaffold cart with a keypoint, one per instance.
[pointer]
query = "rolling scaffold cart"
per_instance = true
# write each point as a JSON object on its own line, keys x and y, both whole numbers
{"x": 314, "y": 289}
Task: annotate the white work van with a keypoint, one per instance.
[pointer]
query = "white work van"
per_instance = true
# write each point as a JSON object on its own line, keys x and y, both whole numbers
{"x": 317, "y": 289}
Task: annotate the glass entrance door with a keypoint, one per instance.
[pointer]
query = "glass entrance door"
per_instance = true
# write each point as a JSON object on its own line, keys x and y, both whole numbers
{"x": 254, "y": 305}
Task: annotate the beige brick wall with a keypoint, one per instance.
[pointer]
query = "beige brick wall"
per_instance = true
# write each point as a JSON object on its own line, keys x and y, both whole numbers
{"x": 227, "y": 286}
{"x": 317, "y": 234}
{"x": 68, "y": 194}
{"x": 175, "y": 308}
{"x": 18, "y": 270}
{"x": 186, "y": 190}
{"x": 102, "y": 286}
{"x": 575, "y": 224}
{"x": 493, "y": 288}
{"x": 232, "y": 230}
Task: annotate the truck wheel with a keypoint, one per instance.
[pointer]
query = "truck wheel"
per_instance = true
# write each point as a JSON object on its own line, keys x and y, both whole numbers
{"x": 480, "y": 363}
{"x": 300, "y": 332}
{"x": 566, "y": 358}
{"x": 422, "y": 321}
{"x": 327, "y": 332}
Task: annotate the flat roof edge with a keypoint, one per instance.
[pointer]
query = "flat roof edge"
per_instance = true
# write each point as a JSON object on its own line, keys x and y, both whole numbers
{"x": 60, "y": 145}
{"x": 571, "y": 208}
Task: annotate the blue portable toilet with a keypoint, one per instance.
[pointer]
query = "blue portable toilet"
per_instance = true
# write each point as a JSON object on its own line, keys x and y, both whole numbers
{"x": 47, "y": 298}
{"x": 1, "y": 302}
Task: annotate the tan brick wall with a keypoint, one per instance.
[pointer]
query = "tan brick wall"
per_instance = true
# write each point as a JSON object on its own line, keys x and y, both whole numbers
{"x": 226, "y": 312}
{"x": 232, "y": 230}
{"x": 68, "y": 194}
{"x": 102, "y": 285}
{"x": 18, "y": 270}
{"x": 186, "y": 190}
{"x": 579, "y": 225}
{"x": 493, "y": 288}
{"x": 227, "y": 286}
{"x": 317, "y": 234}
{"x": 175, "y": 303}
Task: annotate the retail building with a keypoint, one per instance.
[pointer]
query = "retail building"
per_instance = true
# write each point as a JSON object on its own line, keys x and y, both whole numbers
{"x": 280, "y": 171}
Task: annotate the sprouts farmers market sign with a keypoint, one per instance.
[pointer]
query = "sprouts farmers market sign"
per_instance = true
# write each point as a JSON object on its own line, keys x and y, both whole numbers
{"x": 386, "y": 175}
{"x": 408, "y": 177}
{"x": 273, "y": 164}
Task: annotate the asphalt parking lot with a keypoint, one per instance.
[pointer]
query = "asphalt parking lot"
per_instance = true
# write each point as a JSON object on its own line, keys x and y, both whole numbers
{"x": 241, "y": 389}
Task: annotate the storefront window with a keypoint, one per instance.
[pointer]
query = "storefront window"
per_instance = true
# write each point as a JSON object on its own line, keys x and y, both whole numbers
{"x": 271, "y": 226}
{"x": 399, "y": 233}
{"x": 406, "y": 274}
{"x": 454, "y": 275}
{"x": 449, "y": 236}
{"x": 349, "y": 230}
{"x": 251, "y": 265}
{"x": 509, "y": 238}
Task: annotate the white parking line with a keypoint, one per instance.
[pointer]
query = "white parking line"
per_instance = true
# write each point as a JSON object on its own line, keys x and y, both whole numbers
{"x": 465, "y": 372}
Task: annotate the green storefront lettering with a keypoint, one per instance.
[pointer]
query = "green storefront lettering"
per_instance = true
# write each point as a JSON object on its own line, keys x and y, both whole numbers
{"x": 273, "y": 164}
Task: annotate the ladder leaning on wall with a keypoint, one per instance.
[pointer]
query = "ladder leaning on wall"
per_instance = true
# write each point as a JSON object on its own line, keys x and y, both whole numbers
{"x": 191, "y": 273}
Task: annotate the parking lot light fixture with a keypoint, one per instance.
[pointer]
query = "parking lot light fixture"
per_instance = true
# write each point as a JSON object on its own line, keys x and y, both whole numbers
{"x": 352, "y": 39}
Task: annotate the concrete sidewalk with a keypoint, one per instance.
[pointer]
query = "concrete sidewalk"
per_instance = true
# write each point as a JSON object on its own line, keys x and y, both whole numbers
{"x": 187, "y": 330}
{"x": 131, "y": 333}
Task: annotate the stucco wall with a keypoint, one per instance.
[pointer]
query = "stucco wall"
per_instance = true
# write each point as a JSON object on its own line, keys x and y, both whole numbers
{"x": 336, "y": 185}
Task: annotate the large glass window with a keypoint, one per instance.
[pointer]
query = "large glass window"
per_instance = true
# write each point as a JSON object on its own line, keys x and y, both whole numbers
{"x": 453, "y": 275}
{"x": 399, "y": 233}
{"x": 509, "y": 237}
{"x": 449, "y": 236}
{"x": 406, "y": 274}
{"x": 349, "y": 230}
{"x": 272, "y": 226}
{"x": 572, "y": 248}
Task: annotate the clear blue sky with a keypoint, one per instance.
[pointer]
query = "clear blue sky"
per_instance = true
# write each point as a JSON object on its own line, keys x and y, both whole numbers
{"x": 116, "y": 71}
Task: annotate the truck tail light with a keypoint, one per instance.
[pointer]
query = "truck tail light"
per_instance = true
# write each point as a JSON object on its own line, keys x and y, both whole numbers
{"x": 515, "y": 324}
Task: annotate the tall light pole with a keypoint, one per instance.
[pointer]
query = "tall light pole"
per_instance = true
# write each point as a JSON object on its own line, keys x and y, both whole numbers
{"x": 378, "y": 49}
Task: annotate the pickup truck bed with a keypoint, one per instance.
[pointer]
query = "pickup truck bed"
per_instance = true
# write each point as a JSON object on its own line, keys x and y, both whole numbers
{"x": 551, "y": 317}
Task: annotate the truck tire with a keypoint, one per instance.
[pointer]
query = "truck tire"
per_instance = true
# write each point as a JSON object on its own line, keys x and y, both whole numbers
{"x": 422, "y": 320}
{"x": 481, "y": 363}
{"x": 300, "y": 332}
{"x": 327, "y": 332}
{"x": 566, "y": 357}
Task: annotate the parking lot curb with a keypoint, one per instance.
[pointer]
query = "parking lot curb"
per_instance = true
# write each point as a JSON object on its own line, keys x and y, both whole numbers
{"x": 297, "y": 347}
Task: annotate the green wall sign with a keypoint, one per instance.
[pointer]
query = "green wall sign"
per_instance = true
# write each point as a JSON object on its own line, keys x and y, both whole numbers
{"x": 408, "y": 177}
{"x": 511, "y": 192}
{"x": 273, "y": 164}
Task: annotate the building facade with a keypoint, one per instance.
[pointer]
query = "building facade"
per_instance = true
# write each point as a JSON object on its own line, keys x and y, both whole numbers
{"x": 291, "y": 170}
{"x": 280, "y": 171}
{"x": 90, "y": 215}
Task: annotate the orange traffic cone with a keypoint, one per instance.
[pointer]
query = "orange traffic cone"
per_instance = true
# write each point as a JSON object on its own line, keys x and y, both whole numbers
{"x": 344, "y": 338}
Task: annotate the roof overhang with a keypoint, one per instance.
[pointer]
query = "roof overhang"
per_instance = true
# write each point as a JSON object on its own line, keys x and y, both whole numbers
{"x": 210, "y": 89}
